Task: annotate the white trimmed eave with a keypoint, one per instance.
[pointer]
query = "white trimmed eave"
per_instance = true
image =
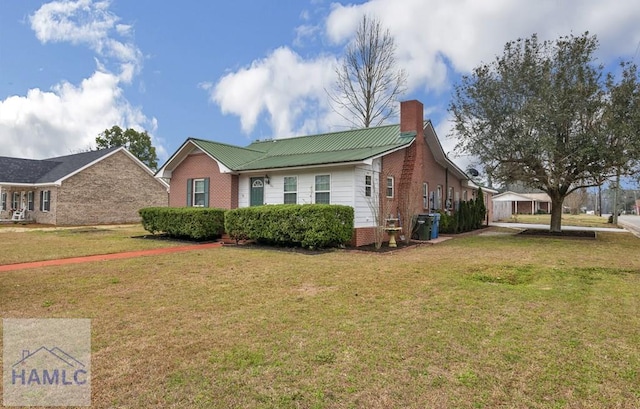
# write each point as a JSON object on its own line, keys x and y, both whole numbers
{"x": 10, "y": 184}
{"x": 367, "y": 161}
{"x": 181, "y": 154}
{"x": 471, "y": 184}
{"x": 371, "y": 159}
{"x": 438, "y": 152}
{"x": 120, "y": 149}
{"x": 513, "y": 197}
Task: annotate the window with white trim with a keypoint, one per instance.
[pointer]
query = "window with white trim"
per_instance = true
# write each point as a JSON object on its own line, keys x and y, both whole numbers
{"x": 290, "y": 189}
{"x": 439, "y": 197}
{"x": 15, "y": 201}
{"x": 198, "y": 193}
{"x": 45, "y": 200}
{"x": 367, "y": 185}
{"x": 450, "y": 197}
{"x": 464, "y": 196}
{"x": 30, "y": 201}
{"x": 390, "y": 186}
{"x": 425, "y": 195}
{"x": 323, "y": 189}
{"x": 3, "y": 201}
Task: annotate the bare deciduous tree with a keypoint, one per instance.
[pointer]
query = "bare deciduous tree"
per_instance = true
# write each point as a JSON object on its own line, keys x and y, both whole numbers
{"x": 576, "y": 199}
{"x": 368, "y": 82}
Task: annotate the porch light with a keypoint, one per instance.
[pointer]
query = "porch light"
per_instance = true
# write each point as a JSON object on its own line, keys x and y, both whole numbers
{"x": 266, "y": 179}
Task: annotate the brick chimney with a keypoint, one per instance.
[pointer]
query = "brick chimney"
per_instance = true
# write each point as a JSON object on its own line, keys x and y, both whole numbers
{"x": 411, "y": 116}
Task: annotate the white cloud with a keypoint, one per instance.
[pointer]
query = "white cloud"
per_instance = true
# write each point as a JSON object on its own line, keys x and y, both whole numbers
{"x": 464, "y": 33}
{"x": 433, "y": 38}
{"x": 67, "y": 118}
{"x": 85, "y": 22}
{"x": 282, "y": 86}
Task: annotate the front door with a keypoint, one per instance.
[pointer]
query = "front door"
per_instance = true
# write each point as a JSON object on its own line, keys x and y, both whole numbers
{"x": 256, "y": 197}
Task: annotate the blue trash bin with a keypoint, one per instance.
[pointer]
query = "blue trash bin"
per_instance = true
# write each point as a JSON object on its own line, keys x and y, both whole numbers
{"x": 435, "y": 227}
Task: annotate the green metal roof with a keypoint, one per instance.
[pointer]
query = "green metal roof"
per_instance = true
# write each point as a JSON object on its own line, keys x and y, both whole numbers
{"x": 231, "y": 156}
{"x": 330, "y": 148}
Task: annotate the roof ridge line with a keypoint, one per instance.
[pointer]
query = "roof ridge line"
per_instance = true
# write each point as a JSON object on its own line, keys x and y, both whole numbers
{"x": 322, "y": 134}
{"x": 225, "y": 144}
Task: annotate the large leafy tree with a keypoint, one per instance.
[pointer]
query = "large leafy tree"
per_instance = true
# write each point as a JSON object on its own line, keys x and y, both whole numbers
{"x": 622, "y": 116}
{"x": 544, "y": 114}
{"x": 368, "y": 81}
{"x": 138, "y": 143}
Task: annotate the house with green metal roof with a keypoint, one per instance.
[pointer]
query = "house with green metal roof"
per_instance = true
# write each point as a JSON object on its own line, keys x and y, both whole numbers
{"x": 385, "y": 172}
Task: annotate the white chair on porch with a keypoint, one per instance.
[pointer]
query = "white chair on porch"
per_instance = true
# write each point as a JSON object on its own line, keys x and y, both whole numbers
{"x": 18, "y": 214}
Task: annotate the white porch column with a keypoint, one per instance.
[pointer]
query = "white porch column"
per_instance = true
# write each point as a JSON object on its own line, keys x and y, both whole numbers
{"x": 533, "y": 207}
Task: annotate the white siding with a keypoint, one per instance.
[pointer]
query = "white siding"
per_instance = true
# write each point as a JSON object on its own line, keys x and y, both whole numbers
{"x": 342, "y": 186}
{"x": 243, "y": 191}
{"x": 364, "y": 206}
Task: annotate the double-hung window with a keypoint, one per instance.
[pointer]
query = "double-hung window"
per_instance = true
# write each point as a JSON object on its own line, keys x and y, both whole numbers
{"x": 390, "y": 186}
{"x": 3, "y": 201}
{"x": 367, "y": 185}
{"x": 30, "y": 200}
{"x": 425, "y": 195}
{"x": 290, "y": 189}
{"x": 439, "y": 197}
{"x": 323, "y": 189}
{"x": 45, "y": 200}
{"x": 198, "y": 193}
{"x": 15, "y": 201}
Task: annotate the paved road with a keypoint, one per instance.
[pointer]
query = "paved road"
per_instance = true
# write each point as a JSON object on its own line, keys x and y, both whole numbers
{"x": 631, "y": 223}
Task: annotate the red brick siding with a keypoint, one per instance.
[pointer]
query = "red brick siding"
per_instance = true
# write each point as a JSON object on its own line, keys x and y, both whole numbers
{"x": 223, "y": 187}
{"x": 363, "y": 236}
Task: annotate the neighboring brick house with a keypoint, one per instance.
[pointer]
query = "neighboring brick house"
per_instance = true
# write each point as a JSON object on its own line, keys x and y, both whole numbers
{"x": 508, "y": 203}
{"x": 381, "y": 172}
{"x": 95, "y": 187}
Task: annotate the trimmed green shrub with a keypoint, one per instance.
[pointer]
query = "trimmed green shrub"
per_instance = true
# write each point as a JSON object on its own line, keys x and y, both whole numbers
{"x": 196, "y": 223}
{"x": 311, "y": 225}
{"x": 469, "y": 216}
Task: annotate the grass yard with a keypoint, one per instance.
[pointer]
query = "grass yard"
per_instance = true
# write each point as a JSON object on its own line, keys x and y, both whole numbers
{"x": 475, "y": 322}
{"x": 51, "y": 243}
{"x": 580, "y": 220}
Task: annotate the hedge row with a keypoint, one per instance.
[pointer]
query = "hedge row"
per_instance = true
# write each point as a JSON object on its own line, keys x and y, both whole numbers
{"x": 312, "y": 225}
{"x": 469, "y": 216}
{"x": 189, "y": 222}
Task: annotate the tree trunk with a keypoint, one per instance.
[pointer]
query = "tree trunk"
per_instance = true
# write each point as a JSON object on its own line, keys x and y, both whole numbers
{"x": 600, "y": 200}
{"x": 556, "y": 212}
{"x": 614, "y": 212}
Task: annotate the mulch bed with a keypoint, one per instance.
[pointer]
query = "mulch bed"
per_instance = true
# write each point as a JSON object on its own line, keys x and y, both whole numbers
{"x": 385, "y": 247}
{"x": 565, "y": 234}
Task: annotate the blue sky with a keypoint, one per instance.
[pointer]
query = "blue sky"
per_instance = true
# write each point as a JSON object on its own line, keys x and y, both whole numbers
{"x": 236, "y": 71}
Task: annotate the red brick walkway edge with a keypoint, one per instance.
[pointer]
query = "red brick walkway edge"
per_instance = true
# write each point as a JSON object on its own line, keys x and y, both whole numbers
{"x": 103, "y": 257}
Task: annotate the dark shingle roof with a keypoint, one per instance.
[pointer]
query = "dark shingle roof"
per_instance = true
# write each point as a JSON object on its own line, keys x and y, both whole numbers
{"x": 17, "y": 170}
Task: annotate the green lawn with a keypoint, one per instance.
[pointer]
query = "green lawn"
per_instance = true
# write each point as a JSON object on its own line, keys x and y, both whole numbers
{"x": 475, "y": 322}
{"x": 51, "y": 243}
